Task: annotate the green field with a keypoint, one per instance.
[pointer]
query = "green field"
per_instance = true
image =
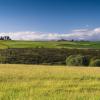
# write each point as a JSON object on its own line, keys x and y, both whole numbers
{"x": 48, "y": 44}
{"x": 32, "y": 82}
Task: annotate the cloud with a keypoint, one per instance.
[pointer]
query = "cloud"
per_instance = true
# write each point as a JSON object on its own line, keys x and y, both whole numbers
{"x": 87, "y": 34}
{"x": 77, "y": 34}
{"x": 32, "y": 36}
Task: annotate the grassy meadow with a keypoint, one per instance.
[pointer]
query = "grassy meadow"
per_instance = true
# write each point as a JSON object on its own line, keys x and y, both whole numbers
{"x": 39, "y": 82}
{"x": 48, "y": 44}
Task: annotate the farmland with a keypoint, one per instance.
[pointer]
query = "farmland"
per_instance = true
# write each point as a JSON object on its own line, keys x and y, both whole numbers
{"x": 49, "y": 44}
{"x": 38, "y": 82}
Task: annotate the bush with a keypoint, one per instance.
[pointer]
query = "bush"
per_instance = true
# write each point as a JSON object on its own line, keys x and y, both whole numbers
{"x": 54, "y": 56}
{"x": 95, "y": 62}
{"x": 77, "y": 60}
{"x": 2, "y": 60}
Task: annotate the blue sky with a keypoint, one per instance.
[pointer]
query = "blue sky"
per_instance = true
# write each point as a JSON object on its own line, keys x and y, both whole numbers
{"x": 57, "y": 16}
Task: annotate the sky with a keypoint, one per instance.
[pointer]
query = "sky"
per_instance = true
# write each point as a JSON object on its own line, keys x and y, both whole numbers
{"x": 23, "y": 19}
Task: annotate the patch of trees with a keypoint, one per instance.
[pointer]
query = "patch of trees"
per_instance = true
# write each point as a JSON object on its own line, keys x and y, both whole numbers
{"x": 72, "y": 57}
{"x": 77, "y": 60}
{"x": 95, "y": 62}
{"x": 5, "y": 38}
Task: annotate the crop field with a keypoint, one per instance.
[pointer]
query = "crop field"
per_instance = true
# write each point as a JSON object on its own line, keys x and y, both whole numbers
{"x": 48, "y": 44}
{"x": 39, "y": 82}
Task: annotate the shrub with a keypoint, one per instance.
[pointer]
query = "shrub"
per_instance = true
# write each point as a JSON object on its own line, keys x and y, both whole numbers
{"x": 56, "y": 56}
{"x": 77, "y": 60}
{"x": 2, "y": 60}
{"x": 95, "y": 62}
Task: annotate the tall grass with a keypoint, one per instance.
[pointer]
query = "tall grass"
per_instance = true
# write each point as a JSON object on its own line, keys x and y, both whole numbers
{"x": 32, "y": 82}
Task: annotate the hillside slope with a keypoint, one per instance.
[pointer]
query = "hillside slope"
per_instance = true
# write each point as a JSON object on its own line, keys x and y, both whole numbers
{"x": 48, "y": 44}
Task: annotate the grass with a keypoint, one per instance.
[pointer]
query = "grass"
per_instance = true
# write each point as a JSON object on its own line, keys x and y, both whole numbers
{"x": 48, "y": 44}
{"x": 38, "y": 82}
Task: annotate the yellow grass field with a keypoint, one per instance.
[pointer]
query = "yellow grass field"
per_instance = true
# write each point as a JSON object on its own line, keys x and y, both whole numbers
{"x": 38, "y": 82}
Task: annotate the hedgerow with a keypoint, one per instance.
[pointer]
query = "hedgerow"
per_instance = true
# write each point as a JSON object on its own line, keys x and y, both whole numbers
{"x": 44, "y": 55}
{"x": 77, "y": 60}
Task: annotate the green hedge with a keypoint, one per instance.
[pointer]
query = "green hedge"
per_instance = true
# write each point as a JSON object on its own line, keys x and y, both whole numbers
{"x": 51, "y": 56}
{"x": 95, "y": 63}
{"x": 77, "y": 60}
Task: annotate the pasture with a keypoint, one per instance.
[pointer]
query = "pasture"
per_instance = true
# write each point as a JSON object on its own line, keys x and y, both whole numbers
{"x": 39, "y": 82}
{"x": 49, "y": 44}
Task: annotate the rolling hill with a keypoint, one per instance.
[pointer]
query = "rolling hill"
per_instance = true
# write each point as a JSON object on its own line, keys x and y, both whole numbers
{"x": 49, "y": 44}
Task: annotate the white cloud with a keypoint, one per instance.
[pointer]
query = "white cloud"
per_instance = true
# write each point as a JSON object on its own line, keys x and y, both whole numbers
{"x": 77, "y": 34}
{"x": 87, "y": 34}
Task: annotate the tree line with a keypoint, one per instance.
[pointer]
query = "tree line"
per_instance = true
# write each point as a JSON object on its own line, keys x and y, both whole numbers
{"x": 52, "y": 56}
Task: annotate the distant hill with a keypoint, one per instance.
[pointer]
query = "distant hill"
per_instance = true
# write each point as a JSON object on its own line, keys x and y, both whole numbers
{"x": 49, "y": 44}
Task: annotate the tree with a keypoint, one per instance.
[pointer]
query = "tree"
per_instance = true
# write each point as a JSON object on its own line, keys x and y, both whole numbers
{"x": 77, "y": 60}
